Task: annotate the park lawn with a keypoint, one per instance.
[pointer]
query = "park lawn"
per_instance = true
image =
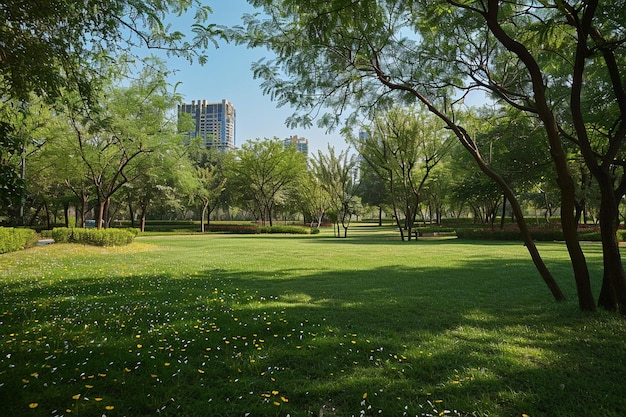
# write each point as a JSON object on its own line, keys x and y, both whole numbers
{"x": 233, "y": 325}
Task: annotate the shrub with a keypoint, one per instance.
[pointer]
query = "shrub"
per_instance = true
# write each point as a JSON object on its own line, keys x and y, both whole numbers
{"x": 95, "y": 237}
{"x": 292, "y": 230}
{"x": 61, "y": 234}
{"x": 234, "y": 228}
{"x": 482, "y": 234}
{"x": 435, "y": 229}
{"x": 13, "y": 239}
{"x": 539, "y": 235}
{"x": 256, "y": 229}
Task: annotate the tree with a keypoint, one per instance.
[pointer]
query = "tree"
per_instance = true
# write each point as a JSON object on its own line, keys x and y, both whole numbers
{"x": 575, "y": 51}
{"x": 373, "y": 189}
{"x": 337, "y": 176}
{"x": 210, "y": 172}
{"x": 158, "y": 180}
{"x": 263, "y": 170}
{"x": 312, "y": 198}
{"x": 404, "y": 146}
{"x": 24, "y": 129}
{"x": 211, "y": 187}
{"x": 340, "y": 55}
{"x": 115, "y": 144}
{"x": 52, "y": 47}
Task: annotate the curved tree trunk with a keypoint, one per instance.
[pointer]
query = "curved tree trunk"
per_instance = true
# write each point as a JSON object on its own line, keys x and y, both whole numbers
{"x": 467, "y": 143}
{"x": 564, "y": 178}
{"x": 521, "y": 223}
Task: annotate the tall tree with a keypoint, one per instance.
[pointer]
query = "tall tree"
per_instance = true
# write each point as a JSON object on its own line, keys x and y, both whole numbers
{"x": 50, "y": 47}
{"x": 312, "y": 199}
{"x": 263, "y": 170}
{"x": 211, "y": 175}
{"x": 404, "y": 146}
{"x": 569, "y": 70}
{"x": 337, "y": 176}
{"x": 115, "y": 143}
{"x": 373, "y": 189}
{"x": 211, "y": 186}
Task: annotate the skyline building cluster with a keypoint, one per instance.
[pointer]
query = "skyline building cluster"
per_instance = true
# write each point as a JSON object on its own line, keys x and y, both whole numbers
{"x": 215, "y": 123}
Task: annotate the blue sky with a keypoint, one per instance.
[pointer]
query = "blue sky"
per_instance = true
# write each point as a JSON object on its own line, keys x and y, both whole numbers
{"x": 227, "y": 75}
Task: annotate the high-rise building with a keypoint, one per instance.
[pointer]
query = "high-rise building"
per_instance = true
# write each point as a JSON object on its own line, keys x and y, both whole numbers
{"x": 301, "y": 144}
{"x": 215, "y": 122}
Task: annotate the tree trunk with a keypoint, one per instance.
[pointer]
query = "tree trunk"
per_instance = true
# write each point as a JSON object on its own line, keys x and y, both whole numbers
{"x": 503, "y": 212}
{"x": 100, "y": 216}
{"x": 131, "y": 213}
{"x": 613, "y": 292}
{"x": 66, "y": 213}
{"x": 204, "y": 206}
{"x": 47, "y": 210}
{"x": 143, "y": 219}
{"x": 564, "y": 177}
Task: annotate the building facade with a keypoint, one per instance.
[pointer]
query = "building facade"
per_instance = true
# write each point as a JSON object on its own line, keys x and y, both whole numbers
{"x": 214, "y": 122}
{"x": 301, "y": 144}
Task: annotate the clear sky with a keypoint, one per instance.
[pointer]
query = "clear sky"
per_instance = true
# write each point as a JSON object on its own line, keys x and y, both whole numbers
{"x": 227, "y": 75}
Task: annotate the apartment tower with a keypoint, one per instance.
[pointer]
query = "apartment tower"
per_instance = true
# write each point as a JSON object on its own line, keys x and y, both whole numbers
{"x": 214, "y": 122}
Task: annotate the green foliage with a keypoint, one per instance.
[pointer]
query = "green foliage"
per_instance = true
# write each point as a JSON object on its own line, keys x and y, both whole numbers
{"x": 55, "y": 49}
{"x": 54, "y": 45}
{"x": 14, "y": 239}
{"x": 257, "y": 229}
{"x": 434, "y": 229}
{"x": 95, "y": 237}
{"x": 336, "y": 174}
{"x": 292, "y": 230}
{"x": 403, "y": 146}
{"x": 540, "y": 235}
{"x": 263, "y": 172}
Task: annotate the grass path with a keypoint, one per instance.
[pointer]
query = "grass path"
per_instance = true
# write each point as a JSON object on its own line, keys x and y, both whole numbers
{"x": 300, "y": 326}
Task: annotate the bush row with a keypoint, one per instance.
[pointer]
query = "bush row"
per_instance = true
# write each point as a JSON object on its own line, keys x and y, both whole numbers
{"x": 95, "y": 237}
{"x": 537, "y": 235}
{"x": 257, "y": 229}
{"x": 13, "y": 239}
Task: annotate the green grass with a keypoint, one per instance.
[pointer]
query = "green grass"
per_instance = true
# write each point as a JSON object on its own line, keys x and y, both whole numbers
{"x": 273, "y": 325}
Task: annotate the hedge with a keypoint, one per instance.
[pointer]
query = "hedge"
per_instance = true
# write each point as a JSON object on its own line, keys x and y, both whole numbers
{"x": 257, "y": 229}
{"x": 13, "y": 239}
{"x": 95, "y": 237}
{"x": 537, "y": 235}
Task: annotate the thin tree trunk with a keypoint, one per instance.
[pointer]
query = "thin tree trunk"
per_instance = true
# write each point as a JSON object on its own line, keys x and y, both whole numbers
{"x": 613, "y": 292}
{"x": 503, "y": 212}
{"x": 66, "y": 213}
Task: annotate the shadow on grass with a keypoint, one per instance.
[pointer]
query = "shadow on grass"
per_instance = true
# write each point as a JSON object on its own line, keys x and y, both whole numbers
{"x": 384, "y": 341}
